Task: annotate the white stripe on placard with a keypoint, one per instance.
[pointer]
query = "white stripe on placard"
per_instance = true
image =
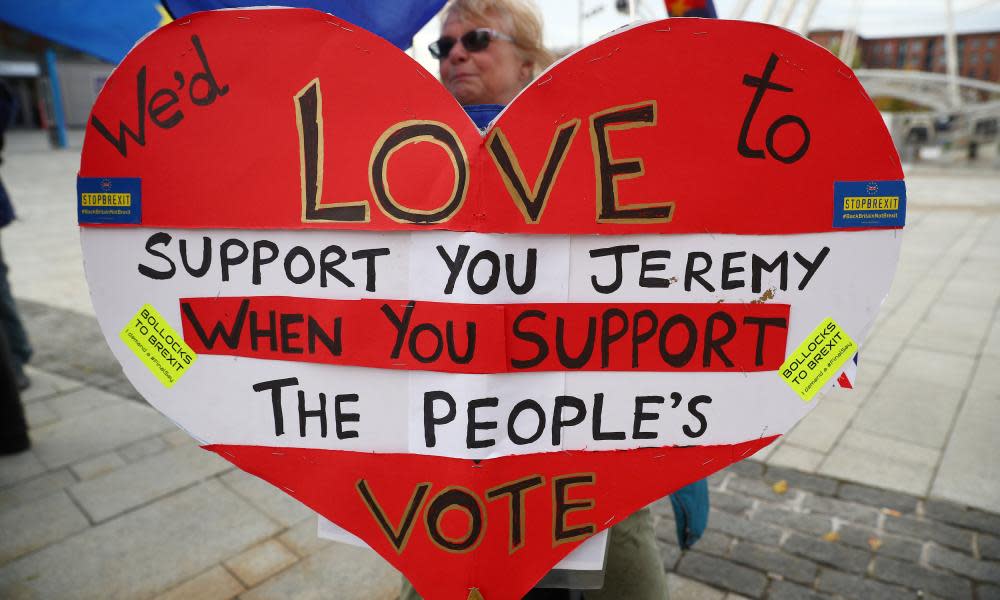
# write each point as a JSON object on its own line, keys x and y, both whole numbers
{"x": 215, "y": 400}
{"x": 419, "y": 266}
{"x": 376, "y": 410}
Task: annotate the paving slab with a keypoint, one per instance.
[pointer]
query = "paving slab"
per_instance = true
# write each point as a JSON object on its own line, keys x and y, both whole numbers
{"x": 945, "y": 368}
{"x": 302, "y": 538}
{"x": 918, "y": 412}
{"x": 18, "y": 467}
{"x": 975, "y": 290}
{"x": 952, "y": 327}
{"x": 96, "y": 432}
{"x": 139, "y": 450}
{"x": 986, "y": 377}
{"x": 177, "y": 437}
{"x": 272, "y": 501}
{"x": 793, "y": 457}
{"x": 338, "y": 571}
{"x": 881, "y": 462}
{"x": 819, "y": 432}
{"x": 81, "y": 401}
{"x": 38, "y": 414}
{"x": 96, "y": 466}
{"x": 35, "y": 525}
{"x": 35, "y": 488}
{"x": 260, "y": 562}
{"x": 682, "y": 588}
{"x": 144, "y": 552}
{"x": 882, "y": 348}
{"x": 969, "y": 473}
{"x": 214, "y": 584}
{"x": 141, "y": 482}
{"x": 45, "y": 384}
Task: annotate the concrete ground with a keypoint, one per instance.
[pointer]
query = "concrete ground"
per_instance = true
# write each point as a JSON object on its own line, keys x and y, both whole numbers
{"x": 891, "y": 490}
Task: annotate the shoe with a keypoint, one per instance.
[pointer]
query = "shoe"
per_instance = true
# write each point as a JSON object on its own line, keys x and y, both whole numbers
{"x": 14, "y": 444}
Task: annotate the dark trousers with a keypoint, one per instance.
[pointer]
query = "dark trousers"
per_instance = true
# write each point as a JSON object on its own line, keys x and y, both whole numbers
{"x": 10, "y": 321}
{"x": 13, "y": 354}
{"x": 13, "y": 429}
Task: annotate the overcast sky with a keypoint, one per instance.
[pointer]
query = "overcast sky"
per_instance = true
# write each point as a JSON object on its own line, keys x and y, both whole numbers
{"x": 875, "y": 18}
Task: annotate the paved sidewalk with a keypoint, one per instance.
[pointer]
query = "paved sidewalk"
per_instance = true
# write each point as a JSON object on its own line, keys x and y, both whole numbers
{"x": 926, "y": 416}
{"x": 869, "y": 496}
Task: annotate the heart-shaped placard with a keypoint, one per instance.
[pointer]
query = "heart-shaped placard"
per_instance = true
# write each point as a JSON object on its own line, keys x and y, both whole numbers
{"x": 474, "y": 351}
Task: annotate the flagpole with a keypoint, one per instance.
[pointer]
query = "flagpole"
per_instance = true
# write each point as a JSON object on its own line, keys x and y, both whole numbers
{"x": 787, "y": 15}
{"x": 951, "y": 53}
{"x": 741, "y": 9}
{"x": 849, "y": 41}
{"x": 807, "y": 17}
{"x": 57, "y": 99}
{"x": 769, "y": 11}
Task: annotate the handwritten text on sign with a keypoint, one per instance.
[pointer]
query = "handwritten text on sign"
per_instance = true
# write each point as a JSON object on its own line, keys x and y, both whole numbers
{"x": 380, "y": 295}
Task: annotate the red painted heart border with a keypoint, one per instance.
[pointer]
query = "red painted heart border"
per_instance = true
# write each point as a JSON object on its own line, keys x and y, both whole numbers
{"x": 627, "y": 480}
{"x": 211, "y": 134}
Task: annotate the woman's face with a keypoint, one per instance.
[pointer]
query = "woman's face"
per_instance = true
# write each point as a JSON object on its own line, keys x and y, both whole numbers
{"x": 491, "y": 76}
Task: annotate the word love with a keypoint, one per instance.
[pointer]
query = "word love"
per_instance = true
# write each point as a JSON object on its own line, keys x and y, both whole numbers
{"x": 529, "y": 198}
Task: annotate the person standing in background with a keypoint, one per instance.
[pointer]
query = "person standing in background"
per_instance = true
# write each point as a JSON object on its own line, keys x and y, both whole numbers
{"x": 14, "y": 347}
{"x": 10, "y": 320}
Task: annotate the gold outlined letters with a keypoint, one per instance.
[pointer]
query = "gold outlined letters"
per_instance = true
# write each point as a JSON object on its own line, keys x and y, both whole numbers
{"x": 609, "y": 171}
{"x": 411, "y": 132}
{"x": 309, "y": 120}
{"x": 399, "y": 535}
{"x": 531, "y": 203}
{"x": 562, "y": 506}
{"x": 518, "y": 515}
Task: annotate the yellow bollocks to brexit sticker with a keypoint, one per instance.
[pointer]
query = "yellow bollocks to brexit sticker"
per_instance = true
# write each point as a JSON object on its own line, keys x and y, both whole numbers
{"x": 158, "y": 345}
{"x": 817, "y": 359}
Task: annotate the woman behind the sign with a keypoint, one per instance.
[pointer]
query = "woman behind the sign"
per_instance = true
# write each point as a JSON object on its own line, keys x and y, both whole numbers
{"x": 489, "y": 50}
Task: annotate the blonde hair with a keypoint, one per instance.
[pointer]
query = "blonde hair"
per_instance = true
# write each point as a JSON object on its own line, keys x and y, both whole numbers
{"x": 522, "y": 21}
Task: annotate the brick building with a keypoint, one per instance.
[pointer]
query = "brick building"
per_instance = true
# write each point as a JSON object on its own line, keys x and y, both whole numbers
{"x": 978, "y": 53}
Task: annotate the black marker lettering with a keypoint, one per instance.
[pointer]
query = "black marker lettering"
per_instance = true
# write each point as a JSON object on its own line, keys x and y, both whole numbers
{"x": 275, "y": 386}
{"x": 811, "y": 266}
{"x": 474, "y": 425}
{"x": 617, "y": 252}
{"x": 157, "y": 239}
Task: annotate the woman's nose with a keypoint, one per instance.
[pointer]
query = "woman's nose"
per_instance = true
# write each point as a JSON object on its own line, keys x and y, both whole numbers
{"x": 458, "y": 53}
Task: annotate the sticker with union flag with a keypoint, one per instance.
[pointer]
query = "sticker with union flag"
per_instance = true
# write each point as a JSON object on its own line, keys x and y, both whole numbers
{"x": 474, "y": 351}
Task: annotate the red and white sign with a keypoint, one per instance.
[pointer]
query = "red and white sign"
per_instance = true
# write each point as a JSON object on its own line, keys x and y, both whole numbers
{"x": 476, "y": 350}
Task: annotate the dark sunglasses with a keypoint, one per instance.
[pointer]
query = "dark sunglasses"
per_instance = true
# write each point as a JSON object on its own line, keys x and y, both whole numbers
{"x": 476, "y": 40}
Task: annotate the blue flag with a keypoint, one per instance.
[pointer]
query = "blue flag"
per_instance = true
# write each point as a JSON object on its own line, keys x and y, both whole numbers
{"x": 395, "y": 20}
{"x": 106, "y": 29}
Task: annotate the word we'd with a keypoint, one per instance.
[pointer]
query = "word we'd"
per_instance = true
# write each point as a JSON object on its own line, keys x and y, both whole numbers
{"x": 164, "y": 107}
